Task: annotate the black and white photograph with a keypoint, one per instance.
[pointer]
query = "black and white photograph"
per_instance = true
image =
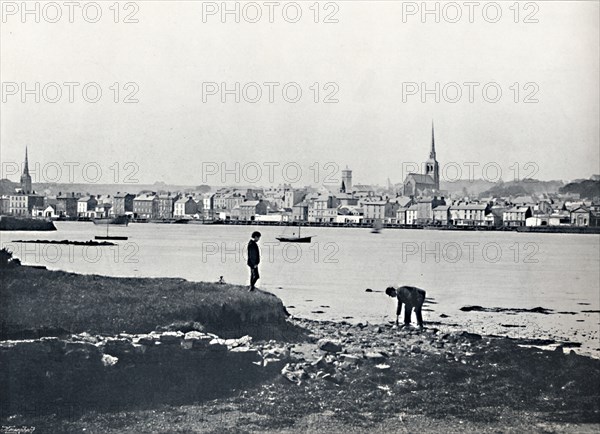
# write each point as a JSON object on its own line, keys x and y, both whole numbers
{"x": 310, "y": 216}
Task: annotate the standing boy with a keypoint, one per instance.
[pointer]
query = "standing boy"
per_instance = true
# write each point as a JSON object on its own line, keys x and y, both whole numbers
{"x": 253, "y": 259}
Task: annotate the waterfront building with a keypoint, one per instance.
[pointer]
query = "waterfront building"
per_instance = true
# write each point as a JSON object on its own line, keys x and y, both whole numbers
{"x": 323, "y": 209}
{"x": 86, "y": 206}
{"x": 494, "y": 217}
{"x": 233, "y": 214}
{"x": 412, "y": 213}
{"x": 66, "y": 205}
{"x": 375, "y": 210}
{"x": 18, "y": 204}
{"x": 537, "y": 220}
{"x": 48, "y": 211}
{"x": 441, "y": 215}
{"x": 227, "y": 199}
{"x": 104, "y": 209}
{"x": 145, "y": 206}
{"x": 383, "y": 210}
{"x": 123, "y": 203}
{"x": 559, "y": 218}
{"x": 470, "y": 214}
{"x": 4, "y": 205}
{"x": 300, "y": 212}
{"x": 580, "y": 216}
{"x": 208, "y": 205}
{"x": 185, "y": 207}
{"x": 347, "y": 199}
{"x": 293, "y": 197}
{"x": 516, "y": 216}
{"x": 425, "y": 206}
{"x": 166, "y": 204}
{"x": 401, "y": 215}
{"x": 34, "y": 199}
{"x": 250, "y": 209}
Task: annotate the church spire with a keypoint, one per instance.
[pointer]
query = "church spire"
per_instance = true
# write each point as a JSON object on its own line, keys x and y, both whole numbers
{"x": 26, "y": 186}
{"x": 432, "y": 153}
{"x": 26, "y": 168}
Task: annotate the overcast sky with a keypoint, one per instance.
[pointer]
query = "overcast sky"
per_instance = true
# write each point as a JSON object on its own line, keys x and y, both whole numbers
{"x": 376, "y": 130}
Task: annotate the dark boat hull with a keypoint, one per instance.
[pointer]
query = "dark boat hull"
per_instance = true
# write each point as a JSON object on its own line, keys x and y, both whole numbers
{"x": 121, "y": 220}
{"x": 294, "y": 239}
{"x": 100, "y": 237}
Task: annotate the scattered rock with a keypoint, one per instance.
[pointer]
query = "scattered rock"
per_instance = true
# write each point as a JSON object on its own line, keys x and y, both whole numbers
{"x": 108, "y": 360}
{"x": 350, "y": 358}
{"x": 368, "y": 290}
{"x": 471, "y": 336}
{"x": 375, "y": 356}
{"x": 538, "y": 309}
{"x": 171, "y": 337}
{"x": 407, "y": 383}
{"x": 294, "y": 374}
{"x": 329, "y": 346}
{"x": 336, "y": 378}
{"x": 117, "y": 346}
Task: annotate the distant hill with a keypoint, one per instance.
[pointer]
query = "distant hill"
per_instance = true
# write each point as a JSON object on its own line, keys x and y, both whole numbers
{"x": 7, "y": 186}
{"x": 470, "y": 187}
{"x": 52, "y": 189}
{"x": 524, "y": 187}
{"x": 587, "y": 189}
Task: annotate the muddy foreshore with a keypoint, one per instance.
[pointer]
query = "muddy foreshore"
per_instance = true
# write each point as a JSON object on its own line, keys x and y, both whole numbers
{"x": 371, "y": 377}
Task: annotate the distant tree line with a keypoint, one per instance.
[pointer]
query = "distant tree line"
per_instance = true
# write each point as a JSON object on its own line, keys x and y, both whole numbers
{"x": 587, "y": 189}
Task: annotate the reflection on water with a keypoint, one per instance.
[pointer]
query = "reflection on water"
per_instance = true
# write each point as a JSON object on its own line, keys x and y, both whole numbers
{"x": 490, "y": 269}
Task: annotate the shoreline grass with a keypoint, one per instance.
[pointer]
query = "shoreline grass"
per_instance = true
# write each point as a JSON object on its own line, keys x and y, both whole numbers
{"x": 38, "y": 300}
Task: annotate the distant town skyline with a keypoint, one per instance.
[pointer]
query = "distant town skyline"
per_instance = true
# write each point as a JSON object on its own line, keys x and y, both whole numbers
{"x": 75, "y": 173}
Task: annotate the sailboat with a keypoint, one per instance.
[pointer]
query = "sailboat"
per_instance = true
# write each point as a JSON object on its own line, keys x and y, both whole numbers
{"x": 377, "y": 226}
{"x": 294, "y": 239}
{"x": 109, "y": 237}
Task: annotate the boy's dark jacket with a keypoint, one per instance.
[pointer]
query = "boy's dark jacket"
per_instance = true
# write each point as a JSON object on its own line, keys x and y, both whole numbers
{"x": 253, "y": 254}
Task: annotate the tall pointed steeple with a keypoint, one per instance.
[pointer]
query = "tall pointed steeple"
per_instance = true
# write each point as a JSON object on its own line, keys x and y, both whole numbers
{"x": 432, "y": 167}
{"x": 26, "y": 168}
{"x": 432, "y": 152}
{"x": 25, "y": 177}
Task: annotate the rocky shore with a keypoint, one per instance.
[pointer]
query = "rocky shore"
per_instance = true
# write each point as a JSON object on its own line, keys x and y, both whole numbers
{"x": 353, "y": 378}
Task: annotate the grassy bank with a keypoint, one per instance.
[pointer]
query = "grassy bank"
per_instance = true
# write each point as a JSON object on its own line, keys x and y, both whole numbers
{"x": 37, "y": 302}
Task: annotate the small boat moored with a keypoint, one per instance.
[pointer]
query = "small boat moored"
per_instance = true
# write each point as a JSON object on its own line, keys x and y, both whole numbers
{"x": 294, "y": 238}
{"x": 110, "y": 237}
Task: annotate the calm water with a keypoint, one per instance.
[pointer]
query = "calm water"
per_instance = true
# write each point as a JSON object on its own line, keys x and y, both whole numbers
{"x": 507, "y": 270}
